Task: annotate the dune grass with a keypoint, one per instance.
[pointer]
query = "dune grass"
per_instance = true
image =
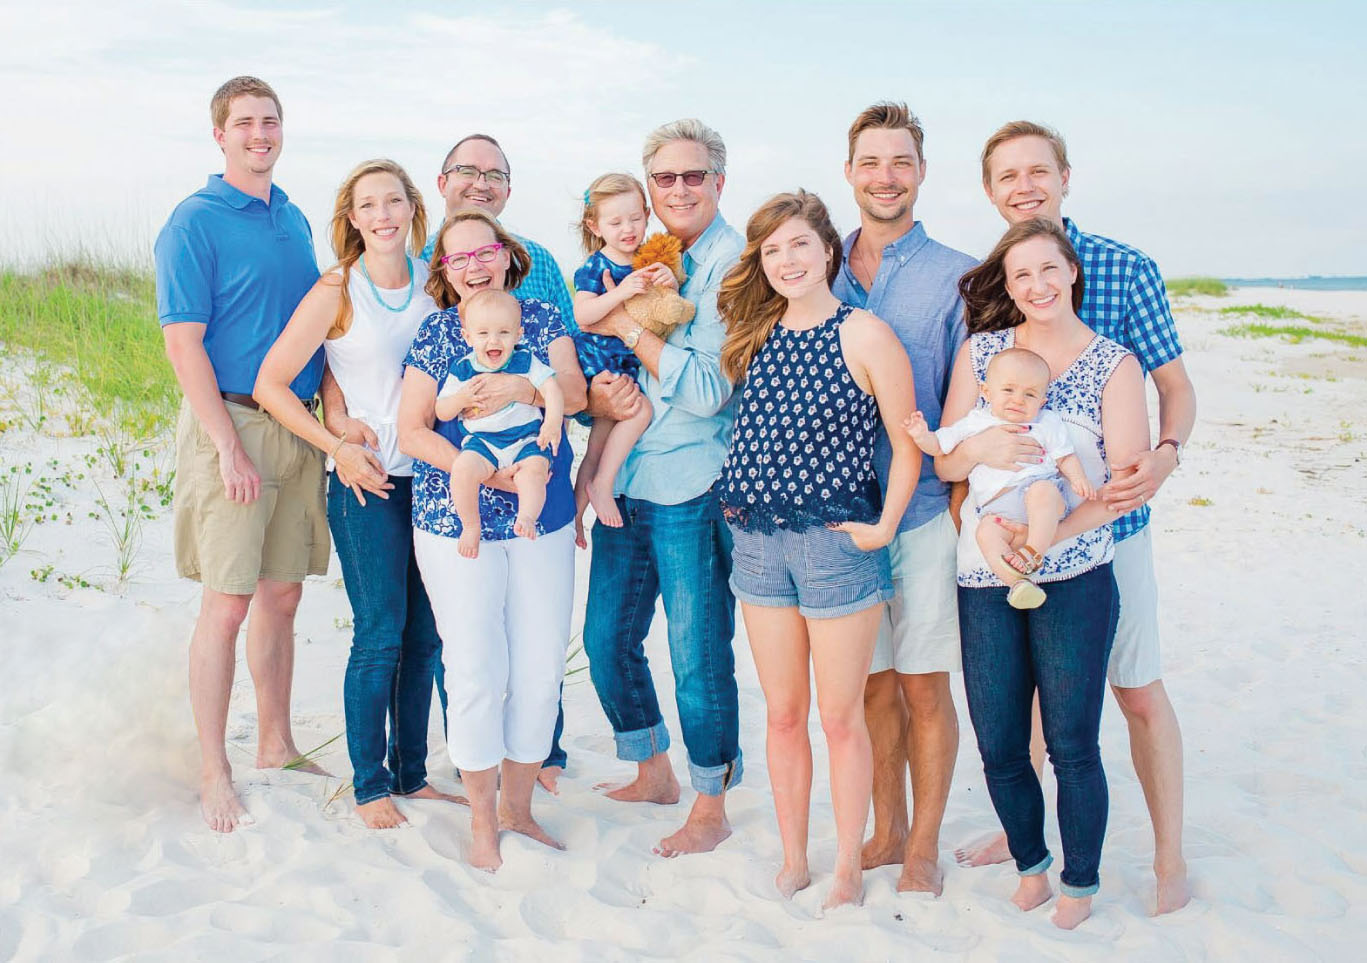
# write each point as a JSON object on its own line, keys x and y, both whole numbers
{"x": 1270, "y": 312}
{"x": 1185, "y": 287}
{"x": 99, "y": 320}
{"x": 1295, "y": 333}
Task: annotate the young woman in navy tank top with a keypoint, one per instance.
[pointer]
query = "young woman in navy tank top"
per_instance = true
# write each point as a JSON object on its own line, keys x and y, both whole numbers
{"x": 818, "y": 380}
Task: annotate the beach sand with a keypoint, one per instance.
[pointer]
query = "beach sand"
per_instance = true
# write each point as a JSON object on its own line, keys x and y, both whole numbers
{"x": 1260, "y": 539}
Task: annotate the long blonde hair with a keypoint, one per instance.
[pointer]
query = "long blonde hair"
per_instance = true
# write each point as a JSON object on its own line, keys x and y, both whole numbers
{"x": 603, "y": 187}
{"x": 748, "y": 304}
{"x": 347, "y": 242}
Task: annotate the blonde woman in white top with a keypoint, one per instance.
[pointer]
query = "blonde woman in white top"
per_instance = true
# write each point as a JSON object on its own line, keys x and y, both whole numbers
{"x": 364, "y": 313}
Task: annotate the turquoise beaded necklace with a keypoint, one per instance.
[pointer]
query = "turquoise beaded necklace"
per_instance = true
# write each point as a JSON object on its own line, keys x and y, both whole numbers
{"x": 376, "y": 291}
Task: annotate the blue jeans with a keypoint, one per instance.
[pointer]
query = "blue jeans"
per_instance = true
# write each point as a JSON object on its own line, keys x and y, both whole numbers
{"x": 683, "y": 554}
{"x": 557, "y": 756}
{"x": 394, "y": 642}
{"x": 1061, "y": 649}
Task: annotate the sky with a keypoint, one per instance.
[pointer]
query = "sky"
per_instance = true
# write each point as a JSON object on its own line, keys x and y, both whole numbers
{"x": 1218, "y": 137}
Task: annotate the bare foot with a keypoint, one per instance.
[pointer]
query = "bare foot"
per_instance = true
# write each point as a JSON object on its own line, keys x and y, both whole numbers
{"x": 380, "y": 814}
{"x": 524, "y": 824}
{"x": 654, "y": 787}
{"x": 1071, "y": 910}
{"x": 883, "y": 850}
{"x": 218, "y": 802}
{"x": 984, "y": 851}
{"x": 603, "y": 505}
{"x": 921, "y": 876}
{"x": 791, "y": 879}
{"x": 1032, "y": 891}
{"x": 288, "y": 757}
{"x": 427, "y": 792}
{"x": 468, "y": 543}
{"x": 1174, "y": 891}
{"x": 484, "y": 852}
{"x": 696, "y": 836}
{"x": 524, "y": 526}
{"x": 847, "y": 890}
{"x": 549, "y": 777}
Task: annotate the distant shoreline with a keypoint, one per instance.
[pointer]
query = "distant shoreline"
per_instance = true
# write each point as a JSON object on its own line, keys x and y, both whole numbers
{"x": 1311, "y": 282}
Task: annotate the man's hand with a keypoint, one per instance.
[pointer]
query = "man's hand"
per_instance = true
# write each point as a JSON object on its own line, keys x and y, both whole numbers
{"x": 1006, "y": 447}
{"x": 241, "y": 483}
{"x": 614, "y": 396}
{"x": 1135, "y": 482}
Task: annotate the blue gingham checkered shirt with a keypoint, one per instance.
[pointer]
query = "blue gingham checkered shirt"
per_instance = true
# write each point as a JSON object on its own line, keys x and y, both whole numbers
{"x": 1125, "y": 300}
{"x": 542, "y": 283}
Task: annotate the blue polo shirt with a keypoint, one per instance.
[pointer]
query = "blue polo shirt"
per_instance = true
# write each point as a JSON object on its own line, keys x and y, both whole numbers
{"x": 238, "y": 266}
{"x": 916, "y": 292}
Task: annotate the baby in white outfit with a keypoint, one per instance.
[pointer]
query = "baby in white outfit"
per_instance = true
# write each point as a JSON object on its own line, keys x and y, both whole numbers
{"x": 1017, "y": 381}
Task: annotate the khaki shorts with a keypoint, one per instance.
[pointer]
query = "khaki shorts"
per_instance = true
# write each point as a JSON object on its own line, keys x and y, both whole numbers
{"x": 920, "y": 628}
{"x": 282, "y": 536}
{"x": 1135, "y": 657}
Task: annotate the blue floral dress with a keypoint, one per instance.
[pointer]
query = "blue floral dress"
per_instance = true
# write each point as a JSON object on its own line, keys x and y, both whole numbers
{"x": 439, "y": 345}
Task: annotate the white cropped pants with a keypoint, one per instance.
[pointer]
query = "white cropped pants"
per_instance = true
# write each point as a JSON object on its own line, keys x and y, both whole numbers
{"x": 504, "y": 621}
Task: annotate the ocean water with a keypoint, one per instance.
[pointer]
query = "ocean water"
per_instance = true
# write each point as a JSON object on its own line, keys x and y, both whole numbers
{"x": 1313, "y": 282}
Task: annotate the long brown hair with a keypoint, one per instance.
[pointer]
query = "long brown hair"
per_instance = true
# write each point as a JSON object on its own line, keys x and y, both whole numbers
{"x": 519, "y": 261}
{"x": 347, "y": 242}
{"x": 748, "y": 304}
{"x": 987, "y": 305}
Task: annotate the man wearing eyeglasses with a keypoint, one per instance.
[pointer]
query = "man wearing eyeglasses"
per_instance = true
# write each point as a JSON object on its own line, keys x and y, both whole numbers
{"x": 673, "y": 543}
{"x": 475, "y": 175}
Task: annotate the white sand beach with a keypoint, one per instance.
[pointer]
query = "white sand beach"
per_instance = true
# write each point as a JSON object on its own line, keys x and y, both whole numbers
{"x": 1260, "y": 536}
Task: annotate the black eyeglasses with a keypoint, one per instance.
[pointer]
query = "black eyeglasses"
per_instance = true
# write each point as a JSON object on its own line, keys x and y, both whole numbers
{"x": 469, "y": 172}
{"x": 665, "y": 179}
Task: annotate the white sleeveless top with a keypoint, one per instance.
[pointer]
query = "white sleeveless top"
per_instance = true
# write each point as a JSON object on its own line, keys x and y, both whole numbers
{"x": 367, "y": 361}
{"x": 1075, "y": 396}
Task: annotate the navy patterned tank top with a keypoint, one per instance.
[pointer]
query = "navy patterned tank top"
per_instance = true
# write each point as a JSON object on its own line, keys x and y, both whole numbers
{"x": 802, "y": 451}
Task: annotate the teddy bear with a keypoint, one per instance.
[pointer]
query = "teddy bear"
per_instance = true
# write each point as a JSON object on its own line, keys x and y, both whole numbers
{"x": 660, "y": 309}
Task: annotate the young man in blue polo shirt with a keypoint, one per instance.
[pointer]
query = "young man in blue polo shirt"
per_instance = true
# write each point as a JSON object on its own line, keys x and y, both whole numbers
{"x": 1025, "y": 174}
{"x": 232, "y": 263}
{"x": 893, "y": 269}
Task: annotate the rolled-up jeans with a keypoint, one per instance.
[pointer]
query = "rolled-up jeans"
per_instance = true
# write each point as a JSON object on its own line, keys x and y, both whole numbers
{"x": 394, "y": 643}
{"x": 681, "y": 553}
{"x": 1061, "y": 650}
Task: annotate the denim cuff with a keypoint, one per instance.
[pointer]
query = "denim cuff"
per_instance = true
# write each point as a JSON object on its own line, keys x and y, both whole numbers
{"x": 715, "y": 780}
{"x": 1038, "y": 868}
{"x": 399, "y": 790}
{"x": 371, "y": 797}
{"x": 1078, "y": 892}
{"x": 638, "y": 745}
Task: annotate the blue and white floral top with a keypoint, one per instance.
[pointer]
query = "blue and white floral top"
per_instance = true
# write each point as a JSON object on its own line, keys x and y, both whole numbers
{"x": 1075, "y": 395}
{"x": 438, "y": 346}
{"x": 802, "y": 451}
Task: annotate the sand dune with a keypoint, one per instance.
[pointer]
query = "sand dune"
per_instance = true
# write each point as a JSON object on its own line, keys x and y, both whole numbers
{"x": 1260, "y": 537}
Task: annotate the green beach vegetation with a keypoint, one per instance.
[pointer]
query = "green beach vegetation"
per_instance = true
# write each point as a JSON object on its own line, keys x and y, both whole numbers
{"x": 1294, "y": 333}
{"x": 1185, "y": 287}
{"x": 1270, "y": 312}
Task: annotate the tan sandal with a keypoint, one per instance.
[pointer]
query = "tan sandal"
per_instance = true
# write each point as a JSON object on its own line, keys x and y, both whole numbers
{"x": 1024, "y": 560}
{"x": 1025, "y": 594}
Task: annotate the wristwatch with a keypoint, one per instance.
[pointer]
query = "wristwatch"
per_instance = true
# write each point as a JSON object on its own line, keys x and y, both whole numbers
{"x": 631, "y": 337}
{"x": 1176, "y": 448}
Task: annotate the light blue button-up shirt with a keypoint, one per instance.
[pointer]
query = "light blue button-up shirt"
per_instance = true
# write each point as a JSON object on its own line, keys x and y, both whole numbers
{"x": 916, "y": 291}
{"x": 682, "y": 452}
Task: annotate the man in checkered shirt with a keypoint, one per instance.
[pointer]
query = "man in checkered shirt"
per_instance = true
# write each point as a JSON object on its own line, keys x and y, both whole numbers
{"x": 1025, "y": 174}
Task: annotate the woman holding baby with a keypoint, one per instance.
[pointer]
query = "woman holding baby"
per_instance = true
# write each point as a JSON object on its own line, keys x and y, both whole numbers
{"x": 504, "y": 610}
{"x": 1026, "y": 295}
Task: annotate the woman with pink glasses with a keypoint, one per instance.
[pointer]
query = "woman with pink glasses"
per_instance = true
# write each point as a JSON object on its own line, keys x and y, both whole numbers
{"x": 503, "y": 616}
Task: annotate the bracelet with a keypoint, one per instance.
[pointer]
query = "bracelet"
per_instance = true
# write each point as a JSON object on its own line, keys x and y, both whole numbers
{"x": 1176, "y": 448}
{"x": 340, "y": 442}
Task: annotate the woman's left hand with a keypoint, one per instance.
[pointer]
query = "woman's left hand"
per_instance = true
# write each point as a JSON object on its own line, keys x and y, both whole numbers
{"x": 866, "y": 538}
{"x": 496, "y": 390}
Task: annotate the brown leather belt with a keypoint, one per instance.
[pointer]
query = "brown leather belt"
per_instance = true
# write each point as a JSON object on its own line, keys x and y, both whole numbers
{"x": 247, "y": 401}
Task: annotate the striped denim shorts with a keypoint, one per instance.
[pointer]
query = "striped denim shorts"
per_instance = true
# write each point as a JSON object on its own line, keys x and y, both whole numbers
{"x": 818, "y": 570}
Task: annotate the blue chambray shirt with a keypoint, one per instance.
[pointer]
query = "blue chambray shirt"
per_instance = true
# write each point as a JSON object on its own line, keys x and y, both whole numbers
{"x": 1124, "y": 299}
{"x": 682, "y": 452}
{"x": 916, "y": 292}
{"x": 542, "y": 283}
